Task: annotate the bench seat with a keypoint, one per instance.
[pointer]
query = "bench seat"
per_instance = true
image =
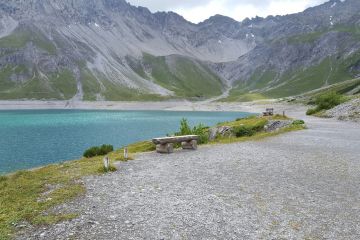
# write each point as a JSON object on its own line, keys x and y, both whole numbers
{"x": 166, "y": 144}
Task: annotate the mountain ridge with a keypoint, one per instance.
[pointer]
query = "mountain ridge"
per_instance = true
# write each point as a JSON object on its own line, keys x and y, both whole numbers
{"x": 111, "y": 50}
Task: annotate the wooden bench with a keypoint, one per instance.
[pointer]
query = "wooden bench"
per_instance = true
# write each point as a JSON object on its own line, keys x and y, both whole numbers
{"x": 166, "y": 144}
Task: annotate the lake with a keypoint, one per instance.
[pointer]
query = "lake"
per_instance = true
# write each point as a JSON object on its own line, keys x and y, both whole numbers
{"x": 33, "y": 138}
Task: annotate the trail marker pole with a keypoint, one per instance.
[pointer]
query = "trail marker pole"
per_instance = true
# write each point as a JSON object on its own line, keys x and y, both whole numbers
{"x": 126, "y": 153}
{"x": 106, "y": 163}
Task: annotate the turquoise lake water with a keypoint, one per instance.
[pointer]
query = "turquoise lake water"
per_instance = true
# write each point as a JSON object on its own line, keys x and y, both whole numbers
{"x": 33, "y": 138}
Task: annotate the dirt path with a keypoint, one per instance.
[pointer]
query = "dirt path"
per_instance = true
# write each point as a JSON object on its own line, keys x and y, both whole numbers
{"x": 301, "y": 185}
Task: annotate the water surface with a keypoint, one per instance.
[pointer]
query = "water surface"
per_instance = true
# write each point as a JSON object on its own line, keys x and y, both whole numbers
{"x": 32, "y": 138}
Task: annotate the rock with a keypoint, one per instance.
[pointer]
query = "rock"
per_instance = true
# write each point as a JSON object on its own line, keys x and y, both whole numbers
{"x": 349, "y": 111}
{"x": 276, "y": 125}
{"x": 221, "y": 130}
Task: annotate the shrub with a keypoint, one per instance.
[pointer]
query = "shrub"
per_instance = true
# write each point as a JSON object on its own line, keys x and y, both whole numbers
{"x": 311, "y": 111}
{"x": 329, "y": 100}
{"x": 298, "y": 122}
{"x": 105, "y": 149}
{"x": 326, "y": 102}
{"x": 98, "y": 151}
{"x": 244, "y": 131}
{"x": 201, "y": 130}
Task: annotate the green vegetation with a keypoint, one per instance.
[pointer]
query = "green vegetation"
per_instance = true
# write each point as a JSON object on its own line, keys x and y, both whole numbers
{"x": 244, "y": 91}
{"x": 313, "y": 36}
{"x": 28, "y": 196}
{"x": 252, "y": 128}
{"x": 298, "y": 122}
{"x": 200, "y": 130}
{"x": 64, "y": 83}
{"x": 98, "y": 151}
{"x": 307, "y": 37}
{"x": 60, "y": 85}
{"x": 249, "y": 129}
{"x": 347, "y": 87}
{"x": 91, "y": 86}
{"x": 258, "y": 136}
{"x": 20, "y": 37}
{"x": 251, "y": 121}
{"x": 111, "y": 168}
{"x": 117, "y": 92}
{"x": 187, "y": 78}
{"x": 330, "y": 71}
{"x": 326, "y": 102}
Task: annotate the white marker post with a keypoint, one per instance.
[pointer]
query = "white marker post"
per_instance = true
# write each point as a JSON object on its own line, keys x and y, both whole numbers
{"x": 106, "y": 163}
{"x": 126, "y": 153}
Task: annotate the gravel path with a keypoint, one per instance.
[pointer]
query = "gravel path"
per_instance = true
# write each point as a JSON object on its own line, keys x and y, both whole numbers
{"x": 301, "y": 185}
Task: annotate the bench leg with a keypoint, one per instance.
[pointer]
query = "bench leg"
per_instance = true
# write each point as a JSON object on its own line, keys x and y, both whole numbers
{"x": 189, "y": 145}
{"x": 165, "y": 148}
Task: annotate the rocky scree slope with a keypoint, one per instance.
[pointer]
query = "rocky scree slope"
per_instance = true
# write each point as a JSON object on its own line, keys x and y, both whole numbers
{"x": 111, "y": 50}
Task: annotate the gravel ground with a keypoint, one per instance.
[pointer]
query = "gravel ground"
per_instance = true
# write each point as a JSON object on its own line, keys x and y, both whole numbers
{"x": 300, "y": 185}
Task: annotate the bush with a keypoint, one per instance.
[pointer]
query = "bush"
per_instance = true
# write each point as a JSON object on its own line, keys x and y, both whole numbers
{"x": 326, "y": 102}
{"x": 311, "y": 111}
{"x": 105, "y": 149}
{"x": 201, "y": 130}
{"x": 298, "y": 122}
{"x": 244, "y": 131}
{"x": 98, "y": 151}
{"x": 329, "y": 100}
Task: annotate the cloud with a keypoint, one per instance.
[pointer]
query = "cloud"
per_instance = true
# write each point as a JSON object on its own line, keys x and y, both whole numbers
{"x": 199, "y": 10}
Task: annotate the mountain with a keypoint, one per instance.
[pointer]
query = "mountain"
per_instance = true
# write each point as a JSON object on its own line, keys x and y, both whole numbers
{"x": 111, "y": 50}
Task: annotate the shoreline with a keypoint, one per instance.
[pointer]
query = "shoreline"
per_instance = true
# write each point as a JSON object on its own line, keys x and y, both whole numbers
{"x": 180, "y": 105}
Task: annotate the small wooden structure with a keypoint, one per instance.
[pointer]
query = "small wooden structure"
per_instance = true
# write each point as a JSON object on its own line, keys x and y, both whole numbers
{"x": 269, "y": 112}
{"x": 166, "y": 144}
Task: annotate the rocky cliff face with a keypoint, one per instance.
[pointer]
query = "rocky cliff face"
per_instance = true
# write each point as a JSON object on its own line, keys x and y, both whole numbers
{"x": 108, "y": 49}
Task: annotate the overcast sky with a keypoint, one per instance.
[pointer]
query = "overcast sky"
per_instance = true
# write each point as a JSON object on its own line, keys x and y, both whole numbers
{"x": 199, "y": 10}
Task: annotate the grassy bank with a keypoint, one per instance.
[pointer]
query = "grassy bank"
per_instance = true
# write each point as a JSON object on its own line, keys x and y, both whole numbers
{"x": 27, "y": 197}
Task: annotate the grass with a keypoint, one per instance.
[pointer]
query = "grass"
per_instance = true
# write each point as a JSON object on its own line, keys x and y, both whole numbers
{"x": 64, "y": 83}
{"x": 117, "y": 92}
{"x": 91, "y": 86}
{"x": 28, "y": 196}
{"x": 255, "y": 123}
{"x": 249, "y": 121}
{"x": 20, "y": 37}
{"x": 313, "y": 36}
{"x": 61, "y": 85}
{"x": 258, "y": 136}
{"x": 186, "y": 77}
{"x": 330, "y": 71}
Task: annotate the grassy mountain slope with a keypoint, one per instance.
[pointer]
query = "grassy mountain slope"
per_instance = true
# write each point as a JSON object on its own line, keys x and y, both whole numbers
{"x": 185, "y": 77}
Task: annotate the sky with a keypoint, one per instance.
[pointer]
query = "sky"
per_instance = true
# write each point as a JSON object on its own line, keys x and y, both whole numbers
{"x": 198, "y": 10}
